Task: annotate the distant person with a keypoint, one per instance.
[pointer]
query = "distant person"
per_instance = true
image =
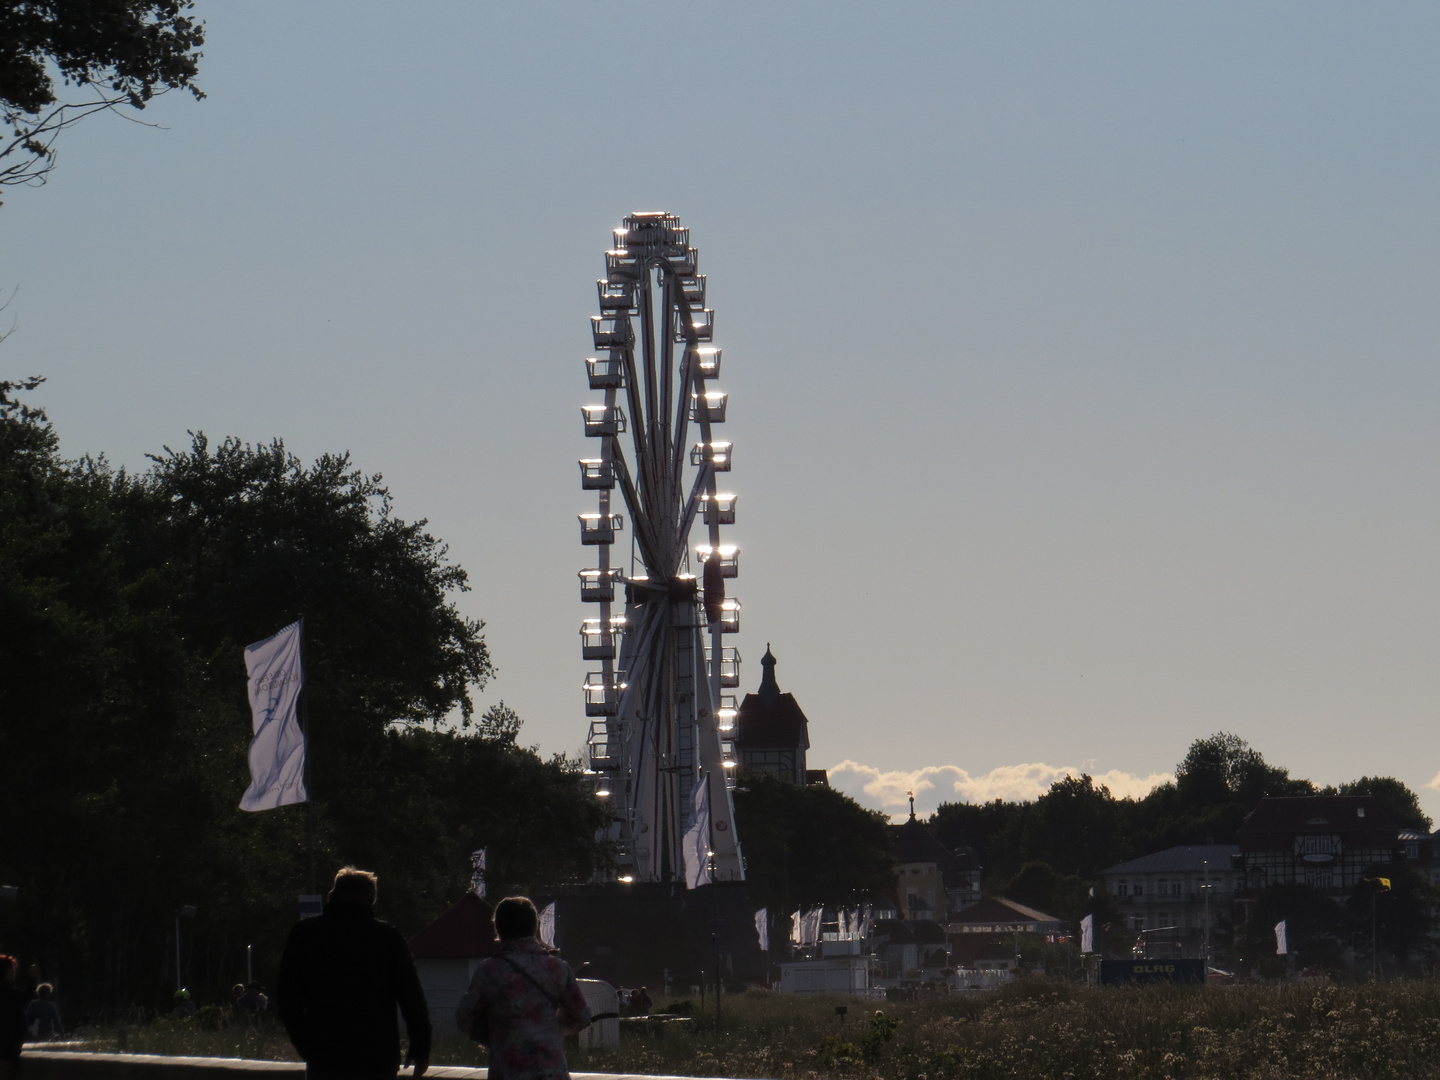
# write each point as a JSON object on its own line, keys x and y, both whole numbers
{"x": 253, "y": 999}
{"x": 530, "y": 997}
{"x": 183, "y": 1005}
{"x": 236, "y": 993}
{"x": 640, "y": 1003}
{"x": 12, "y": 1017}
{"x": 42, "y": 1016}
{"x": 341, "y": 977}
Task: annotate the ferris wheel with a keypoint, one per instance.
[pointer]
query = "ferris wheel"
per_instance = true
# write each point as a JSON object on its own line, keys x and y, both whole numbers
{"x": 659, "y": 720}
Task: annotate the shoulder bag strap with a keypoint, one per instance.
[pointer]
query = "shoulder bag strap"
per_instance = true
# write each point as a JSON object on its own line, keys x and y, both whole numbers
{"x": 532, "y": 981}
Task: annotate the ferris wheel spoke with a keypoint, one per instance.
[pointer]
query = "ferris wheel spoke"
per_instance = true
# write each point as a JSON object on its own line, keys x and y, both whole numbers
{"x": 634, "y": 395}
{"x": 682, "y": 410}
{"x": 704, "y": 480}
{"x": 641, "y": 528}
{"x": 647, "y": 352}
{"x": 667, "y": 360}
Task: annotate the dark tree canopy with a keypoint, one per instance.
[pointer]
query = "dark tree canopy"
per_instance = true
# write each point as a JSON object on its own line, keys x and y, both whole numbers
{"x": 116, "y": 53}
{"x": 1399, "y": 801}
{"x": 809, "y": 845}
{"x": 1224, "y": 767}
{"x": 124, "y": 724}
{"x": 1050, "y": 852}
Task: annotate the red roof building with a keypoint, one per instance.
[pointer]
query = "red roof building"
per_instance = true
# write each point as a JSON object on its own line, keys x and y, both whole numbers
{"x": 448, "y": 951}
{"x": 771, "y": 731}
{"x": 465, "y": 932}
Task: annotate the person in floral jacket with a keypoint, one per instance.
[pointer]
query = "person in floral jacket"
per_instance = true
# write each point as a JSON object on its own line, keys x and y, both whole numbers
{"x": 530, "y": 996}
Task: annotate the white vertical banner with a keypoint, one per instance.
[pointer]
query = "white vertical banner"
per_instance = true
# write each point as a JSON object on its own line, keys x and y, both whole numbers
{"x": 1087, "y": 934}
{"x": 697, "y": 836}
{"x": 277, "y": 745}
{"x": 1282, "y": 939}
{"x": 477, "y": 872}
{"x": 796, "y": 927}
{"x": 867, "y": 924}
{"x": 547, "y": 924}
{"x": 810, "y": 930}
{"x": 762, "y": 928}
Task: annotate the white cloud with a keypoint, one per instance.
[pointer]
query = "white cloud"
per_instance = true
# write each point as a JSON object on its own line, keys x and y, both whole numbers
{"x": 935, "y": 784}
{"x": 1434, "y": 784}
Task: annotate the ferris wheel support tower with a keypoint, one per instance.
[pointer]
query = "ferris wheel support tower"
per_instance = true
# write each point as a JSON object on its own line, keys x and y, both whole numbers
{"x": 659, "y": 719}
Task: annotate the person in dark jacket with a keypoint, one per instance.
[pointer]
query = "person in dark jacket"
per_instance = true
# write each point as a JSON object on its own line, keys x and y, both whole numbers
{"x": 341, "y": 976}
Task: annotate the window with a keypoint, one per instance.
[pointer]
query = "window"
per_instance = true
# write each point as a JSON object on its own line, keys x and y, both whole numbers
{"x": 1412, "y": 851}
{"x": 1139, "y": 888}
{"x": 1122, "y": 889}
{"x": 1175, "y": 888}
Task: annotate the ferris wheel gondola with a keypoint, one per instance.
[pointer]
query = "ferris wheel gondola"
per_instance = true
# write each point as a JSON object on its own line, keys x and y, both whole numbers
{"x": 659, "y": 720}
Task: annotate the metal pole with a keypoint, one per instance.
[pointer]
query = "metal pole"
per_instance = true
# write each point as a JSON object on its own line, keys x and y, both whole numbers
{"x": 309, "y": 782}
{"x": 249, "y": 965}
{"x": 715, "y": 934}
{"x": 714, "y": 884}
{"x": 1205, "y": 886}
{"x": 1374, "y": 951}
{"x": 178, "y": 984}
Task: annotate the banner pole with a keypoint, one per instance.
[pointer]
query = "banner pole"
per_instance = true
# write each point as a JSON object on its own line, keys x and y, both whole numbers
{"x": 309, "y": 772}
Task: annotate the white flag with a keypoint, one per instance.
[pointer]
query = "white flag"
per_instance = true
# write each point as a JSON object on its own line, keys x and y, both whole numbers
{"x": 1282, "y": 940}
{"x": 1087, "y": 934}
{"x": 477, "y": 872}
{"x": 762, "y": 928}
{"x": 277, "y": 748}
{"x": 797, "y": 926}
{"x": 547, "y": 924}
{"x": 810, "y": 933}
{"x": 867, "y": 925}
{"x": 697, "y": 836}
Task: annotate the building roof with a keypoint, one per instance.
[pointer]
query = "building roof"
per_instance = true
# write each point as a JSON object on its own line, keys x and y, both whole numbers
{"x": 465, "y": 932}
{"x": 997, "y": 909}
{"x": 1359, "y": 820}
{"x": 913, "y": 842}
{"x": 967, "y": 858}
{"x": 1186, "y": 859}
{"x": 770, "y": 720}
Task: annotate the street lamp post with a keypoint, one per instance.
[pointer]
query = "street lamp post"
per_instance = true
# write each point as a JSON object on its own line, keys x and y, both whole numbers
{"x": 1205, "y": 887}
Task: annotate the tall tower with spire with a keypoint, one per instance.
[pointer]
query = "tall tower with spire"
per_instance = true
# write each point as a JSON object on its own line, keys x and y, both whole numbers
{"x": 771, "y": 731}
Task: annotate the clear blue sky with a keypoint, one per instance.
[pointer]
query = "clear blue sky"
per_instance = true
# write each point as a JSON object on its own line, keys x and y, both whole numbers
{"x": 1082, "y": 358}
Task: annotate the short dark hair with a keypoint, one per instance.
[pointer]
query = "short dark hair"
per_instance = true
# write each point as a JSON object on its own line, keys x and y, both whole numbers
{"x": 516, "y": 917}
{"x": 354, "y": 886}
{"x": 8, "y": 966}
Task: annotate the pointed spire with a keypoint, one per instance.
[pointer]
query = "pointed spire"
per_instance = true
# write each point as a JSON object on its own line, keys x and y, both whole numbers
{"x": 912, "y": 804}
{"x": 769, "y": 688}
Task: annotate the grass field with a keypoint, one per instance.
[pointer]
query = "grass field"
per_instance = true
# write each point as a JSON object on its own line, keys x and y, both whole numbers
{"x": 1035, "y": 1029}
